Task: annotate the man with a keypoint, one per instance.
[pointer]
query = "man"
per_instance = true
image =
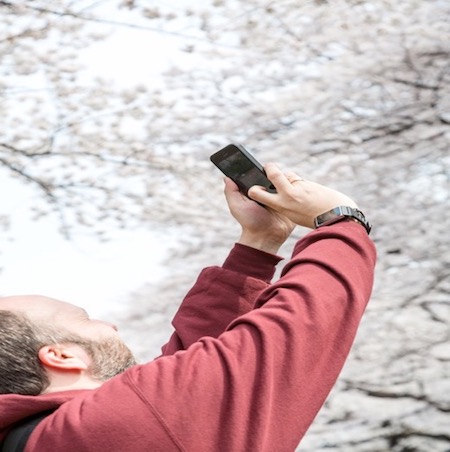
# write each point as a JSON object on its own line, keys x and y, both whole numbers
{"x": 249, "y": 365}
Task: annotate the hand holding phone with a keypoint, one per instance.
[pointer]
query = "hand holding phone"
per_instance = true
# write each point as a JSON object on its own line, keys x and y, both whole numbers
{"x": 241, "y": 167}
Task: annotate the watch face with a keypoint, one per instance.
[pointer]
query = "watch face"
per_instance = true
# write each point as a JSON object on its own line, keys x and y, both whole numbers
{"x": 330, "y": 215}
{"x": 339, "y": 213}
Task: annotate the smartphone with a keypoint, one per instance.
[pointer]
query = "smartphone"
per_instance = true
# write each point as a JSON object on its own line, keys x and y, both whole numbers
{"x": 240, "y": 166}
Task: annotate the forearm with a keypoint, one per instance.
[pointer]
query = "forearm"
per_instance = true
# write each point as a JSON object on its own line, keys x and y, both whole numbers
{"x": 318, "y": 304}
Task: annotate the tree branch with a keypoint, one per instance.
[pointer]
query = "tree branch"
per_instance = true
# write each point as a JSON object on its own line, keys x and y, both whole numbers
{"x": 89, "y": 18}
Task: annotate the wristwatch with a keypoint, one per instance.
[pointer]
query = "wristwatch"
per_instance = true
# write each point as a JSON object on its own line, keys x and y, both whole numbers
{"x": 342, "y": 213}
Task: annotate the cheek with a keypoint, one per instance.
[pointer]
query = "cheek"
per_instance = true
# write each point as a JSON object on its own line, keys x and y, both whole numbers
{"x": 99, "y": 329}
{"x": 108, "y": 325}
{"x": 92, "y": 329}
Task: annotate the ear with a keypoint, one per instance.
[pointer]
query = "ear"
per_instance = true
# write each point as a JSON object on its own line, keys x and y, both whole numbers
{"x": 64, "y": 357}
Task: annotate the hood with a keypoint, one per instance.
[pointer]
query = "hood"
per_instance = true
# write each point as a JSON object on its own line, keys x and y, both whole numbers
{"x": 14, "y": 407}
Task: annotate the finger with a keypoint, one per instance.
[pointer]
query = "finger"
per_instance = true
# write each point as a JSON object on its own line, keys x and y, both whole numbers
{"x": 230, "y": 185}
{"x": 277, "y": 177}
{"x": 261, "y": 195}
{"x": 294, "y": 177}
{"x": 291, "y": 175}
{"x": 233, "y": 195}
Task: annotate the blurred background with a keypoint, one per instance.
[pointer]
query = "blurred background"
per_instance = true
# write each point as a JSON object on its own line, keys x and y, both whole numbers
{"x": 110, "y": 111}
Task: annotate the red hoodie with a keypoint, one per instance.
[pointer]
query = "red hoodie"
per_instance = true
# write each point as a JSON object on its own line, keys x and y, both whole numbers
{"x": 248, "y": 368}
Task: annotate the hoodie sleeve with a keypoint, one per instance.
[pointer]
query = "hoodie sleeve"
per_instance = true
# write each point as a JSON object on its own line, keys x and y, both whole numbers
{"x": 220, "y": 295}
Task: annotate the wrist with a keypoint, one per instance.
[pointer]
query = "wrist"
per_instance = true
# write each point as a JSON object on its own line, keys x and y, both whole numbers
{"x": 268, "y": 244}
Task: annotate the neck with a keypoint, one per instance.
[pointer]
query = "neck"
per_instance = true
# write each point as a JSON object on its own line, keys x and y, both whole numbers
{"x": 60, "y": 383}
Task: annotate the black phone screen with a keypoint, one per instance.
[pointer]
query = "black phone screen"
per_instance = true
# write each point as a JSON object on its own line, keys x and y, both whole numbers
{"x": 240, "y": 166}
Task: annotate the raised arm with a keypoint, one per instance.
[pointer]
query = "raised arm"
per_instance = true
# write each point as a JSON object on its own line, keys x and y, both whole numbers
{"x": 260, "y": 384}
{"x": 221, "y": 294}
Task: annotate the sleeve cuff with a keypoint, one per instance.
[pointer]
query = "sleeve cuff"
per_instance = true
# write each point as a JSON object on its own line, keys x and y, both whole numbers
{"x": 252, "y": 262}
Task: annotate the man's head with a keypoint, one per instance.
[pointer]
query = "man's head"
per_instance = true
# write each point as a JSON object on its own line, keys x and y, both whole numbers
{"x": 47, "y": 345}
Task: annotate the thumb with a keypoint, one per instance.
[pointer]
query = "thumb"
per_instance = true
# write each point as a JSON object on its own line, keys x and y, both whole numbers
{"x": 261, "y": 195}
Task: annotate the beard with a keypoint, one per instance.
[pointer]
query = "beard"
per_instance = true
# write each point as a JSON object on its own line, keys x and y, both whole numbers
{"x": 110, "y": 357}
